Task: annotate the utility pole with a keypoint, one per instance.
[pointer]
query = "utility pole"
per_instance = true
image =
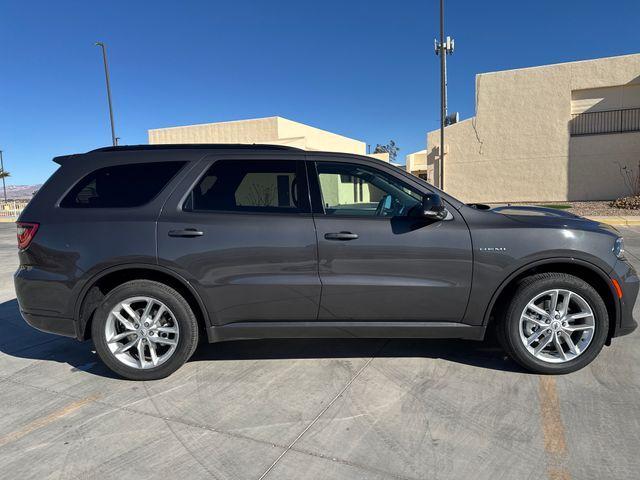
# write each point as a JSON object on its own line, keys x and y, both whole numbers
{"x": 443, "y": 48}
{"x": 114, "y": 139}
{"x": 4, "y": 186}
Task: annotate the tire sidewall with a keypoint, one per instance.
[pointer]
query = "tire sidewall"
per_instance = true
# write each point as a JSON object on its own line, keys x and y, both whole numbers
{"x": 530, "y": 291}
{"x": 174, "y": 301}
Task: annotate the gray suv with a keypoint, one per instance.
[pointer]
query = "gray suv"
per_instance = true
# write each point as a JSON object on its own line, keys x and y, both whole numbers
{"x": 147, "y": 249}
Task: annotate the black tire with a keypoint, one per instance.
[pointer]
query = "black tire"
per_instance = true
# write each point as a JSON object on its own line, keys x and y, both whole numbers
{"x": 187, "y": 323}
{"x": 508, "y": 329}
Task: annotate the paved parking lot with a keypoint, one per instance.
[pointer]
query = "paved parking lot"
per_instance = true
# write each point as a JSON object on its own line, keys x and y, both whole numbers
{"x": 312, "y": 409}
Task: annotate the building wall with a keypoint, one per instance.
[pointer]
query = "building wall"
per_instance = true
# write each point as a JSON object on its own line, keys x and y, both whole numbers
{"x": 270, "y": 130}
{"x": 605, "y": 98}
{"x": 319, "y": 140}
{"x": 518, "y": 146}
{"x": 257, "y": 130}
{"x": 381, "y": 156}
{"x": 416, "y": 163}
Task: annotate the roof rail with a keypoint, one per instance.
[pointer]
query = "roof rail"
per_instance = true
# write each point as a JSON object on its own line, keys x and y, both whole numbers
{"x": 195, "y": 146}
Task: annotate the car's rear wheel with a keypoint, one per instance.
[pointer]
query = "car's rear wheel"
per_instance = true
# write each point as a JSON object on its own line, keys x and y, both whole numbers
{"x": 144, "y": 330}
{"x": 555, "y": 323}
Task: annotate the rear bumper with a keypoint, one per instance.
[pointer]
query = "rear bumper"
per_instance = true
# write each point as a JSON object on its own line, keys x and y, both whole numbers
{"x": 57, "y": 325}
{"x": 42, "y": 291}
{"x": 42, "y": 298}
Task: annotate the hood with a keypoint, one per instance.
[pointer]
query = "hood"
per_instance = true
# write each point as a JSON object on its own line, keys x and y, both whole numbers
{"x": 551, "y": 217}
{"x": 534, "y": 211}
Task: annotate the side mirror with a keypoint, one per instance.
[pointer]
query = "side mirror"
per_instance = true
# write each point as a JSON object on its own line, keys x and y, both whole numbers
{"x": 432, "y": 207}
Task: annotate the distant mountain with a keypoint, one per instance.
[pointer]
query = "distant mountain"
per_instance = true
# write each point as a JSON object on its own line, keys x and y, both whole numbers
{"x": 16, "y": 192}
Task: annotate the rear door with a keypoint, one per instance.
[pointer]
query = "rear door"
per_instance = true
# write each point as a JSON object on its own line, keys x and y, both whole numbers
{"x": 240, "y": 229}
{"x": 376, "y": 260}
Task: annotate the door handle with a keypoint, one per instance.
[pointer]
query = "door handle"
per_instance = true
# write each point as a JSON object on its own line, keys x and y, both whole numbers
{"x": 341, "y": 236}
{"x": 187, "y": 232}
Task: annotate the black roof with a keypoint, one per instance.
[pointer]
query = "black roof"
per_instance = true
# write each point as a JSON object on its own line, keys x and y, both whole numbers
{"x": 195, "y": 146}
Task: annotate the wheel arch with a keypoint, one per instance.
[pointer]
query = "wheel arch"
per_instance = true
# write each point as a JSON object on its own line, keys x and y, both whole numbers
{"x": 584, "y": 270}
{"x": 103, "y": 282}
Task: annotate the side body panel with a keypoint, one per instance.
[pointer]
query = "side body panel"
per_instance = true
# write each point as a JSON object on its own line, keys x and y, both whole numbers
{"x": 246, "y": 266}
{"x": 398, "y": 269}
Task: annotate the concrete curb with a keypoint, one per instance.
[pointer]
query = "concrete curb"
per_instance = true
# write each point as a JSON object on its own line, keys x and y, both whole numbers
{"x": 626, "y": 221}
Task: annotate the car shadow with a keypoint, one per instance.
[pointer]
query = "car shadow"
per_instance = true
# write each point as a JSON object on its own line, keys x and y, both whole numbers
{"x": 17, "y": 339}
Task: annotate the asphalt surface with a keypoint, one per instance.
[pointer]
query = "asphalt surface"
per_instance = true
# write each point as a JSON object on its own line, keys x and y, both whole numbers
{"x": 312, "y": 409}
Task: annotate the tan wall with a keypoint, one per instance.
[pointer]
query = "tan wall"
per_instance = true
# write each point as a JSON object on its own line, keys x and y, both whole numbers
{"x": 243, "y": 131}
{"x": 380, "y": 156}
{"x": 605, "y": 98}
{"x": 271, "y": 130}
{"x": 417, "y": 164}
{"x": 317, "y": 139}
{"x": 518, "y": 147}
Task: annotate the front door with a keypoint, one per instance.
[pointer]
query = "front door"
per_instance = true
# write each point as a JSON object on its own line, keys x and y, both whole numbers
{"x": 377, "y": 261}
{"x": 241, "y": 231}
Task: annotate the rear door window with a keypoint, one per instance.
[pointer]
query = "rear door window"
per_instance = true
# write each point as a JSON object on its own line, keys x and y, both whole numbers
{"x": 263, "y": 186}
{"x": 121, "y": 186}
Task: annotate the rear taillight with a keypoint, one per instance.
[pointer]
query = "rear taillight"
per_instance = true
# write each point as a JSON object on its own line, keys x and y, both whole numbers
{"x": 26, "y": 232}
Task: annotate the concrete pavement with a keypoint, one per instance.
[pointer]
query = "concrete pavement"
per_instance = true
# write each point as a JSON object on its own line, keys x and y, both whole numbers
{"x": 312, "y": 409}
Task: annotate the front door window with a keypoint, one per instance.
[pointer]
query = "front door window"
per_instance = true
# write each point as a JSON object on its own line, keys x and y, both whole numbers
{"x": 357, "y": 190}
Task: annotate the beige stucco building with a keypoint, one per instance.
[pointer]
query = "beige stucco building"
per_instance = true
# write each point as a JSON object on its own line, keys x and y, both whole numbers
{"x": 417, "y": 164}
{"x": 569, "y": 131}
{"x": 269, "y": 130}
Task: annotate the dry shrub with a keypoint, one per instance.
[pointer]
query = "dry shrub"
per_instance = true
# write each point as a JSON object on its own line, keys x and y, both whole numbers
{"x": 627, "y": 203}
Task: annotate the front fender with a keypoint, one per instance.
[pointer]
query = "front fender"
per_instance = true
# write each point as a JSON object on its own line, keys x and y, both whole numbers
{"x": 483, "y": 298}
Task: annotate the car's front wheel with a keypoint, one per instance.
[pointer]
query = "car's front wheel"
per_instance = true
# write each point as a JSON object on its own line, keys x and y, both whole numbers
{"x": 144, "y": 330}
{"x": 555, "y": 323}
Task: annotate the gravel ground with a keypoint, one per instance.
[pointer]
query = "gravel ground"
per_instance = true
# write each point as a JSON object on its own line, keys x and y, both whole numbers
{"x": 587, "y": 209}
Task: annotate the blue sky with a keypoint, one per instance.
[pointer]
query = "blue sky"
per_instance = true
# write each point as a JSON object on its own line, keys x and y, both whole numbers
{"x": 364, "y": 69}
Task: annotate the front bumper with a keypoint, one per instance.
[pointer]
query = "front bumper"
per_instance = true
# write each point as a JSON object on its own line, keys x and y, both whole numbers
{"x": 626, "y": 329}
{"x": 629, "y": 282}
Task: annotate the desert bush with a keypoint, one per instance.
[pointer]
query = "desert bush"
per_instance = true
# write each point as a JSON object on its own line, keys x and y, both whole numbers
{"x": 627, "y": 203}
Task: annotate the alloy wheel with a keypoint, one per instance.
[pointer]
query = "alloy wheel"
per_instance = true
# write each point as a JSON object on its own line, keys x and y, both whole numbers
{"x": 557, "y": 326}
{"x": 141, "y": 332}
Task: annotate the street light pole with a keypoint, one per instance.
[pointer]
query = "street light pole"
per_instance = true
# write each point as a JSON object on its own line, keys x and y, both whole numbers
{"x": 114, "y": 139}
{"x": 443, "y": 48}
{"x": 4, "y": 186}
{"x": 443, "y": 94}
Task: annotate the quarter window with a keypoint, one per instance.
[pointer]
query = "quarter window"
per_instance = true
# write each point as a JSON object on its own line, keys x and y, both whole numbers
{"x": 251, "y": 186}
{"x": 120, "y": 186}
{"x": 349, "y": 189}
